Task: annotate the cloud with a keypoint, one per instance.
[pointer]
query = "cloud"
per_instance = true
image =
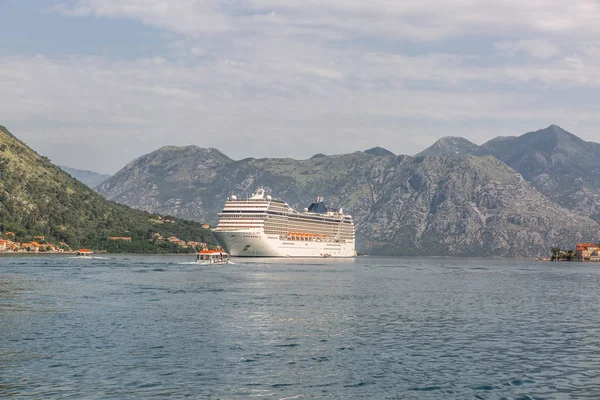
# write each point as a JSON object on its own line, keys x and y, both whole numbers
{"x": 424, "y": 20}
{"x": 187, "y": 16}
{"x": 259, "y": 104}
{"x": 537, "y": 48}
{"x": 272, "y": 78}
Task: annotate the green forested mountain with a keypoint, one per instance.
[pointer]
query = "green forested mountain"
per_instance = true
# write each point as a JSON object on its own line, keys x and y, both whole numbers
{"x": 37, "y": 198}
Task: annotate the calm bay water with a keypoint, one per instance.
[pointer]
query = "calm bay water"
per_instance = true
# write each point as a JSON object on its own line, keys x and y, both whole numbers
{"x": 141, "y": 327}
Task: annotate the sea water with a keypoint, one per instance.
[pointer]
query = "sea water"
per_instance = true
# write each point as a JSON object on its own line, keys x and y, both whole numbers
{"x": 378, "y": 328}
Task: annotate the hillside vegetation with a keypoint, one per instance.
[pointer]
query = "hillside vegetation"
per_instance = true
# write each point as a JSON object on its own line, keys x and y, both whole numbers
{"x": 37, "y": 198}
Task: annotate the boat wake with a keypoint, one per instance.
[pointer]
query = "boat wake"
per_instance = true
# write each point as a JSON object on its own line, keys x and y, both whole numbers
{"x": 88, "y": 258}
{"x": 205, "y": 263}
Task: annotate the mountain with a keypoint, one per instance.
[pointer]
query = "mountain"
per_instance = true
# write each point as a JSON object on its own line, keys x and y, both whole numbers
{"x": 550, "y": 150}
{"x": 451, "y": 146}
{"x": 379, "y": 151}
{"x": 90, "y": 178}
{"x": 171, "y": 180}
{"x": 39, "y": 198}
{"x": 467, "y": 206}
{"x": 559, "y": 164}
{"x": 427, "y": 205}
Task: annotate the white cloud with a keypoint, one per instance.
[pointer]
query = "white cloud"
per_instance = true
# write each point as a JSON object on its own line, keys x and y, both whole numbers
{"x": 189, "y": 16}
{"x": 273, "y": 78}
{"x": 537, "y": 48}
{"x": 284, "y": 105}
{"x": 426, "y": 19}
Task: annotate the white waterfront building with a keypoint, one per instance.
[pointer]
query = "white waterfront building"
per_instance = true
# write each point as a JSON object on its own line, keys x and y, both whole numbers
{"x": 261, "y": 226}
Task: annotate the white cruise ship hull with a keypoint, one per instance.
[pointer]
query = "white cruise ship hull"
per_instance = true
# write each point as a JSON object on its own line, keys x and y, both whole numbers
{"x": 255, "y": 244}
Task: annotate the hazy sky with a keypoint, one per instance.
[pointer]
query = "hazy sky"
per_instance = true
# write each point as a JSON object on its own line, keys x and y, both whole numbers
{"x": 94, "y": 83}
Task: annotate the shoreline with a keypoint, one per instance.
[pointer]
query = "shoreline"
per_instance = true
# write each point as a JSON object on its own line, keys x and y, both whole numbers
{"x": 70, "y": 253}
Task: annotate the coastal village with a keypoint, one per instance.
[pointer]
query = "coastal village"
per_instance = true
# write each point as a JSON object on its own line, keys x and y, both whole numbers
{"x": 584, "y": 252}
{"x": 8, "y": 244}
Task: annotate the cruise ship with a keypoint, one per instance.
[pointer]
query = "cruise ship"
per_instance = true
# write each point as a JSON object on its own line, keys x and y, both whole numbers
{"x": 261, "y": 226}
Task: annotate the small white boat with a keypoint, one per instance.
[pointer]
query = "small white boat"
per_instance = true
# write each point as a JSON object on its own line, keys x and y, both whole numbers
{"x": 212, "y": 257}
{"x": 84, "y": 253}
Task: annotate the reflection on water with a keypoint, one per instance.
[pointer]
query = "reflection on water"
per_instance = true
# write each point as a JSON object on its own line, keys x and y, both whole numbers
{"x": 135, "y": 327}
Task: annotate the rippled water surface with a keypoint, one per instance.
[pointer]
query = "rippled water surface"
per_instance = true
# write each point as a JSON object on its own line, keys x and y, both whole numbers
{"x": 141, "y": 327}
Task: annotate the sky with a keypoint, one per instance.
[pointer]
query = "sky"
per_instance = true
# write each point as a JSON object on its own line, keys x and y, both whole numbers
{"x": 93, "y": 84}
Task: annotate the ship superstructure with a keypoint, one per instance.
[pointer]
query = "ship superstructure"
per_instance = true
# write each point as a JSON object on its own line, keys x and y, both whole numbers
{"x": 261, "y": 226}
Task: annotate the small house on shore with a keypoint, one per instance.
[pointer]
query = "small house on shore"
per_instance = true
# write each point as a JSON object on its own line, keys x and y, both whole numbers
{"x": 588, "y": 252}
{"x": 32, "y": 247}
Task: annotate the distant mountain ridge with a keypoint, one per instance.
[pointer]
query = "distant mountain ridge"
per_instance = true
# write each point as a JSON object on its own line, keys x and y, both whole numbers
{"x": 90, "y": 178}
{"x": 379, "y": 151}
{"x": 463, "y": 201}
{"x": 451, "y": 146}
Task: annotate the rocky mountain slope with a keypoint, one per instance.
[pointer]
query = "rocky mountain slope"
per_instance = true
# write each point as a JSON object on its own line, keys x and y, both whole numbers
{"x": 560, "y": 165}
{"x": 90, "y": 178}
{"x": 37, "y": 198}
{"x": 173, "y": 180}
{"x": 461, "y": 205}
{"x": 467, "y": 206}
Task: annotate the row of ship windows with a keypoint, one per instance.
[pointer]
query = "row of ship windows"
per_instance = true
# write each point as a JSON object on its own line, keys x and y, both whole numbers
{"x": 246, "y": 203}
{"x": 309, "y": 229}
{"x": 310, "y": 222}
{"x": 290, "y": 234}
{"x": 314, "y": 221}
{"x": 227, "y": 213}
{"x": 261, "y": 216}
{"x": 310, "y": 226}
